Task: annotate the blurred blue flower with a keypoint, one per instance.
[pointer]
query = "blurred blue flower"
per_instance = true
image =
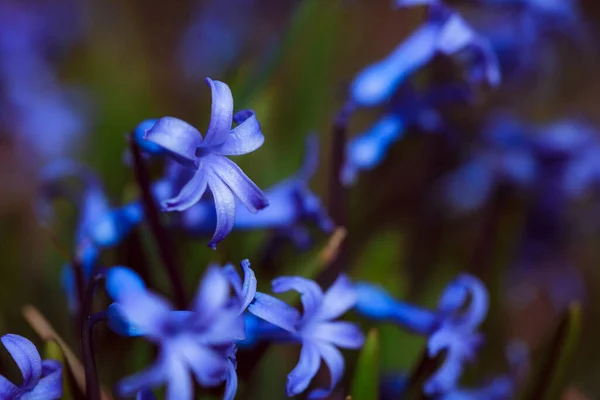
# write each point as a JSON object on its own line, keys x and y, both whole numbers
{"x": 31, "y": 98}
{"x": 215, "y": 36}
{"x": 207, "y": 157}
{"x": 444, "y": 32}
{"x": 42, "y": 379}
{"x": 505, "y": 156}
{"x": 290, "y": 204}
{"x": 98, "y": 225}
{"x": 314, "y": 328}
{"x": 452, "y": 327}
{"x": 200, "y": 341}
{"x": 368, "y": 150}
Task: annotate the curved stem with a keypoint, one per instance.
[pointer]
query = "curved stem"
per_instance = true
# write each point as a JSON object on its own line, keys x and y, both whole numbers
{"x": 92, "y": 385}
{"x": 161, "y": 237}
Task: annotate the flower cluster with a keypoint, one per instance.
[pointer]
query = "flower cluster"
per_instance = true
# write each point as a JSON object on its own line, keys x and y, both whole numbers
{"x": 189, "y": 185}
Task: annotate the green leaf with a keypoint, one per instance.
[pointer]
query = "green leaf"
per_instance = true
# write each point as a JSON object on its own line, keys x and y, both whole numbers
{"x": 553, "y": 365}
{"x": 366, "y": 377}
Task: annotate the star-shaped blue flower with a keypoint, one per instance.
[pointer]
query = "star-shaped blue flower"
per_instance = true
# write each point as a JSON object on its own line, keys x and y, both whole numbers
{"x": 315, "y": 328}
{"x": 291, "y": 203}
{"x": 42, "y": 379}
{"x": 206, "y": 157}
{"x": 452, "y": 327}
{"x": 199, "y": 341}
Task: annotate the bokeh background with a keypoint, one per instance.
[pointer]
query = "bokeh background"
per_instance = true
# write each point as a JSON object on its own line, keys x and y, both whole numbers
{"x": 76, "y": 76}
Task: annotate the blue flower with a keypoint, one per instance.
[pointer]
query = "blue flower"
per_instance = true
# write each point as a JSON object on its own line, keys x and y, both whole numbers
{"x": 505, "y": 156}
{"x": 207, "y": 157}
{"x": 444, "y": 32}
{"x": 98, "y": 222}
{"x": 452, "y": 327}
{"x": 98, "y": 226}
{"x": 200, "y": 341}
{"x": 42, "y": 379}
{"x": 32, "y": 98}
{"x": 290, "y": 203}
{"x": 409, "y": 108}
{"x": 314, "y": 328}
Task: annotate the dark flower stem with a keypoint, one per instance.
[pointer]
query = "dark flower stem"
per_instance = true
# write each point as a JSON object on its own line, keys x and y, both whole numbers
{"x": 92, "y": 385}
{"x": 337, "y": 205}
{"x": 162, "y": 239}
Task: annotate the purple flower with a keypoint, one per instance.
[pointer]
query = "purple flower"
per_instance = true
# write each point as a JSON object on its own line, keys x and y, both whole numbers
{"x": 315, "y": 328}
{"x": 198, "y": 341}
{"x": 42, "y": 379}
{"x": 207, "y": 158}
{"x": 444, "y": 32}
{"x": 452, "y": 327}
{"x": 291, "y": 203}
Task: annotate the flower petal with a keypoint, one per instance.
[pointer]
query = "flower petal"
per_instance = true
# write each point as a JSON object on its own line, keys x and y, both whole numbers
{"x": 231, "y": 382}
{"x": 149, "y": 378}
{"x": 311, "y": 294}
{"x": 445, "y": 378}
{"x": 378, "y": 82}
{"x": 208, "y": 367}
{"x": 479, "y": 305}
{"x": 244, "y": 138}
{"x": 50, "y": 387}
{"x": 249, "y": 288}
{"x": 275, "y": 311}
{"x": 122, "y": 281}
{"x": 118, "y": 323}
{"x": 178, "y": 137}
{"x": 234, "y": 279}
{"x": 346, "y": 335}
{"x": 212, "y": 295}
{"x": 368, "y": 150}
{"x": 27, "y": 358}
{"x": 139, "y": 133}
{"x": 225, "y": 208}
{"x": 221, "y": 114}
{"x": 179, "y": 381}
{"x": 339, "y": 298}
{"x": 335, "y": 362}
{"x": 189, "y": 195}
{"x": 249, "y": 194}
{"x": 145, "y": 311}
{"x": 8, "y": 390}
{"x": 306, "y": 369}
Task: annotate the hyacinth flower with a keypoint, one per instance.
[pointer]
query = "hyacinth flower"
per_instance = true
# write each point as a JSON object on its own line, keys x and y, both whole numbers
{"x": 291, "y": 203}
{"x": 505, "y": 157}
{"x": 452, "y": 327}
{"x": 198, "y": 341}
{"x": 206, "y": 157}
{"x": 316, "y": 328}
{"x": 98, "y": 226}
{"x": 368, "y": 149}
{"x": 42, "y": 379}
{"x": 444, "y": 32}
{"x": 31, "y": 98}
